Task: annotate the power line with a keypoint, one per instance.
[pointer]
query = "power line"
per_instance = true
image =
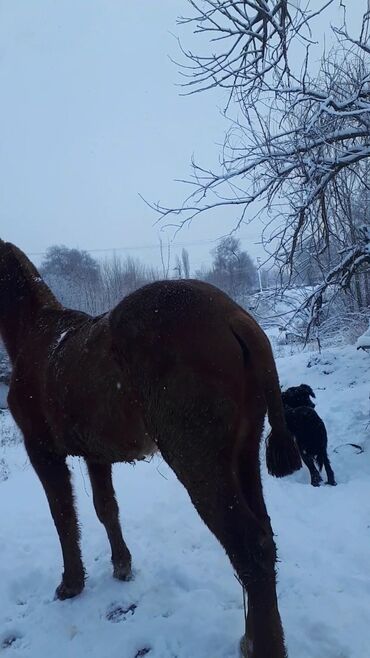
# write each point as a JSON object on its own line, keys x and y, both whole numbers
{"x": 136, "y": 247}
{"x": 143, "y": 246}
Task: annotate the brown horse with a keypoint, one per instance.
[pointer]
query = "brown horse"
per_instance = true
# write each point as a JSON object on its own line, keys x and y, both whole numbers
{"x": 176, "y": 366}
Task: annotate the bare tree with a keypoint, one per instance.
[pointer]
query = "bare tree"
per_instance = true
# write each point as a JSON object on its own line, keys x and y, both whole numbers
{"x": 165, "y": 252}
{"x": 232, "y": 270}
{"x": 182, "y": 265}
{"x": 185, "y": 260}
{"x": 178, "y": 268}
{"x": 69, "y": 263}
{"x": 297, "y": 135}
{"x": 121, "y": 276}
{"x": 74, "y": 276}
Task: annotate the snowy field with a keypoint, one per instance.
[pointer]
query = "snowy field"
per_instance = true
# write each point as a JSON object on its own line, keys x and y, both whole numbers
{"x": 184, "y": 601}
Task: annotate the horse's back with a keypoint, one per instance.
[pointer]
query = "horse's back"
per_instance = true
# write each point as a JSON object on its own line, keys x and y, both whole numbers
{"x": 168, "y": 301}
{"x": 174, "y": 324}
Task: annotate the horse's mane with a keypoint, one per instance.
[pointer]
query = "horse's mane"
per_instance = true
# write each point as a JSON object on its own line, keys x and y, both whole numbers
{"x": 21, "y": 266}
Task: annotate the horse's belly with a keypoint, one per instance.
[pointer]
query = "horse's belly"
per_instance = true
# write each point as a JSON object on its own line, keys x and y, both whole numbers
{"x": 109, "y": 449}
{"x": 105, "y": 435}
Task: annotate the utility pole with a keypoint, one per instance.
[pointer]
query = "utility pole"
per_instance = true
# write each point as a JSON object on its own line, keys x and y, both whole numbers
{"x": 258, "y": 259}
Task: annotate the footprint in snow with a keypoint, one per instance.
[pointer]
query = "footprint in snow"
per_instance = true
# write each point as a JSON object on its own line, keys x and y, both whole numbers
{"x": 8, "y": 639}
{"x": 117, "y": 613}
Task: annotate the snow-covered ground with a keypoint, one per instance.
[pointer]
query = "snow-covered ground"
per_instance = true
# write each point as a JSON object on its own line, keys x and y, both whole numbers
{"x": 184, "y": 601}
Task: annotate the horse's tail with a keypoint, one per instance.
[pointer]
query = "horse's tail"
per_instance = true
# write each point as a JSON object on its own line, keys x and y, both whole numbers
{"x": 282, "y": 454}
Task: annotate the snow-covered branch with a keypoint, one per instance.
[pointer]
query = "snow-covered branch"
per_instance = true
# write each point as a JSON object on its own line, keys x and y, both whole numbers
{"x": 250, "y": 42}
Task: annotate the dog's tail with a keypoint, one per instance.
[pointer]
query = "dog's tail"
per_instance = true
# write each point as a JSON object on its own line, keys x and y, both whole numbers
{"x": 282, "y": 454}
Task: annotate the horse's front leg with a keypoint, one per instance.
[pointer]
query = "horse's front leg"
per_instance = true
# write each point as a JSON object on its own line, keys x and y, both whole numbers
{"x": 107, "y": 512}
{"x": 55, "y": 477}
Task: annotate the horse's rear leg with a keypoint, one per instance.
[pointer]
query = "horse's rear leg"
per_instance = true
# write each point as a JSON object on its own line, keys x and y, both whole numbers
{"x": 262, "y": 601}
{"x": 56, "y": 480}
{"x": 246, "y": 538}
{"x": 107, "y": 512}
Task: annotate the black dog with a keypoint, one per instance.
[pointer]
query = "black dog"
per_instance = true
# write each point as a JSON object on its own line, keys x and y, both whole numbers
{"x": 309, "y": 431}
{"x": 299, "y": 396}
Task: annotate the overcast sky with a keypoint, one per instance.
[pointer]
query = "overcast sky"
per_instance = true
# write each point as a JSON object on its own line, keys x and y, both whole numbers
{"x": 90, "y": 117}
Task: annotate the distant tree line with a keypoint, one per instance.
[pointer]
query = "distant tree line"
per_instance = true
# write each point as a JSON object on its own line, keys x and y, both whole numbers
{"x": 81, "y": 281}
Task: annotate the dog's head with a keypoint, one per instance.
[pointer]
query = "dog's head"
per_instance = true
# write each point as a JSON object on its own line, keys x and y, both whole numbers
{"x": 299, "y": 396}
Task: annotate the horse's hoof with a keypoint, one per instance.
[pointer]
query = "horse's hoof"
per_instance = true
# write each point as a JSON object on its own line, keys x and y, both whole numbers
{"x": 246, "y": 647}
{"x": 122, "y": 572}
{"x": 64, "y": 591}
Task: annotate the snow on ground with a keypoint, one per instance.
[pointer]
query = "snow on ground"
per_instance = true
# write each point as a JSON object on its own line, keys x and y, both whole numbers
{"x": 184, "y": 601}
